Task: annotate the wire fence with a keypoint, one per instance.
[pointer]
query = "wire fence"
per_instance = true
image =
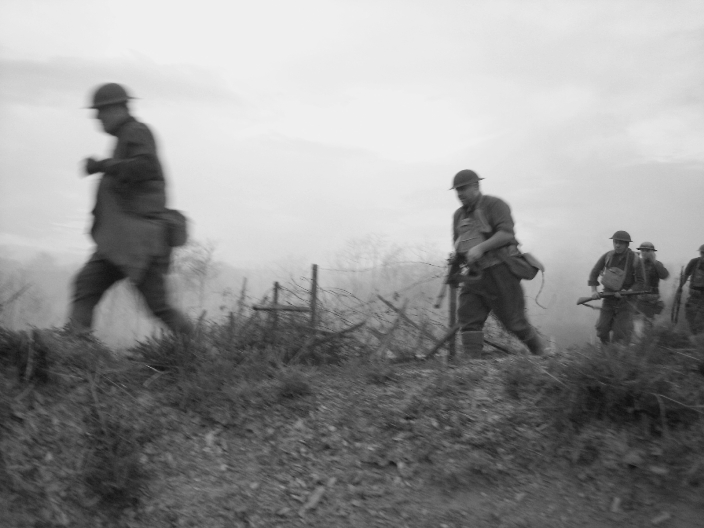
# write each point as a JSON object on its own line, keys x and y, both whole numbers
{"x": 375, "y": 296}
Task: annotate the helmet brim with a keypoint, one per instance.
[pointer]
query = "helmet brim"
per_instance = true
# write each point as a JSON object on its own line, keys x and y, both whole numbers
{"x": 465, "y": 184}
{"x": 109, "y": 102}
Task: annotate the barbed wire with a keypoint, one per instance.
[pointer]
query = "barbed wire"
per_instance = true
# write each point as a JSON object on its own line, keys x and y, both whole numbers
{"x": 382, "y": 266}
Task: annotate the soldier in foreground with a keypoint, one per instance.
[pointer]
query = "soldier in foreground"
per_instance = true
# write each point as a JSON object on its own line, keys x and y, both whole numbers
{"x": 650, "y": 304}
{"x": 694, "y": 307}
{"x": 620, "y": 271}
{"x": 482, "y": 230}
{"x": 131, "y": 227}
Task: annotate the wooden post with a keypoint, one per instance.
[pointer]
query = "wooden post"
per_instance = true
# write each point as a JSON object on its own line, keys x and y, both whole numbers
{"x": 242, "y": 299}
{"x": 314, "y": 299}
{"x": 275, "y": 313}
{"x": 453, "y": 320}
{"x": 449, "y": 335}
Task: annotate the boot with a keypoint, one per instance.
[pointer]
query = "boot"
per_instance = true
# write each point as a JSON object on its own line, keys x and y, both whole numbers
{"x": 472, "y": 344}
{"x": 534, "y": 344}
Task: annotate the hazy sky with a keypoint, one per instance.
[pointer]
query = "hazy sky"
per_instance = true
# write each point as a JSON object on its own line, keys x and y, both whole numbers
{"x": 288, "y": 128}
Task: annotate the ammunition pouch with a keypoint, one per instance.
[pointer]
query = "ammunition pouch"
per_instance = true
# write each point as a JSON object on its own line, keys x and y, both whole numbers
{"x": 613, "y": 278}
{"x": 523, "y": 266}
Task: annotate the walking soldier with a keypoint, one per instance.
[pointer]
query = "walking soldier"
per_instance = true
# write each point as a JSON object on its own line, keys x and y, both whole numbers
{"x": 131, "y": 226}
{"x": 620, "y": 271}
{"x": 694, "y": 307}
{"x": 650, "y": 304}
{"x": 484, "y": 238}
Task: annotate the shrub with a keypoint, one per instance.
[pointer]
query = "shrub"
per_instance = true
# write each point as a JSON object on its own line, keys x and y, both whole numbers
{"x": 521, "y": 374}
{"x": 113, "y": 469}
{"x": 626, "y": 384}
{"x": 292, "y": 384}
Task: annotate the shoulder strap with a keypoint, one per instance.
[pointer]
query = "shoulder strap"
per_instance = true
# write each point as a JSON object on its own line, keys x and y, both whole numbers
{"x": 481, "y": 217}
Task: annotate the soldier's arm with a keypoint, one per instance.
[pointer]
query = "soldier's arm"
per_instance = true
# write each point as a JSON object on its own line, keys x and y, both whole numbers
{"x": 594, "y": 274}
{"x": 140, "y": 163}
{"x": 688, "y": 271}
{"x": 662, "y": 271}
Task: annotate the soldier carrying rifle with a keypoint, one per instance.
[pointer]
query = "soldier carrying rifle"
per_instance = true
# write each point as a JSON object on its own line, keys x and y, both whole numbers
{"x": 482, "y": 230}
{"x": 694, "y": 308}
{"x": 620, "y": 273}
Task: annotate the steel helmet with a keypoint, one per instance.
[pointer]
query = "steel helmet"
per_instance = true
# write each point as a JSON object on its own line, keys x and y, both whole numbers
{"x": 647, "y": 245}
{"x": 110, "y": 93}
{"x": 465, "y": 177}
{"x": 701, "y": 248}
{"x": 623, "y": 236}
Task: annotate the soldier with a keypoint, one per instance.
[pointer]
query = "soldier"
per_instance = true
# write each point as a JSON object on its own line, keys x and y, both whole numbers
{"x": 694, "y": 307}
{"x": 483, "y": 234}
{"x": 130, "y": 225}
{"x": 620, "y": 272}
{"x": 650, "y": 305}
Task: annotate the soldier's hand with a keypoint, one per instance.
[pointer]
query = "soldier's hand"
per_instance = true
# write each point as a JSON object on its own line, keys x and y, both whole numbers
{"x": 473, "y": 255}
{"x": 618, "y": 295}
{"x": 595, "y": 295}
{"x": 92, "y": 166}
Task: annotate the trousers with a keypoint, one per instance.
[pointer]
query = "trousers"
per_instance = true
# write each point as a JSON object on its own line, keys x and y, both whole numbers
{"x": 99, "y": 274}
{"x": 615, "y": 320}
{"x": 498, "y": 291}
{"x": 694, "y": 310}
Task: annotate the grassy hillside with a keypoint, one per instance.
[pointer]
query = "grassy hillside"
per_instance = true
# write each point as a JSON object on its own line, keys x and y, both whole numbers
{"x": 230, "y": 428}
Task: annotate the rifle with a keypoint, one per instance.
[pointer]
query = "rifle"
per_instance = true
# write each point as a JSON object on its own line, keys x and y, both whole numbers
{"x": 674, "y": 316}
{"x": 455, "y": 267}
{"x": 584, "y": 300}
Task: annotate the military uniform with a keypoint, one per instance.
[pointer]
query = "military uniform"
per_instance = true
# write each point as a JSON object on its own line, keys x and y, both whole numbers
{"x": 129, "y": 229}
{"x": 616, "y": 315}
{"x": 694, "y": 307}
{"x": 650, "y": 304}
{"x": 495, "y": 288}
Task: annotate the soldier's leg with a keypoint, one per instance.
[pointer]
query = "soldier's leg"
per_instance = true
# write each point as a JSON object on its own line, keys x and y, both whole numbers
{"x": 699, "y": 319}
{"x": 94, "y": 279}
{"x": 694, "y": 311}
{"x": 508, "y": 305}
{"x": 471, "y": 314}
{"x": 153, "y": 289}
{"x": 606, "y": 320}
{"x": 623, "y": 321}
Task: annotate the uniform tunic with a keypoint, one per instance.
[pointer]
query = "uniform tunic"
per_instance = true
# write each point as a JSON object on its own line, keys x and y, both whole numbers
{"x": 128, "y": 228}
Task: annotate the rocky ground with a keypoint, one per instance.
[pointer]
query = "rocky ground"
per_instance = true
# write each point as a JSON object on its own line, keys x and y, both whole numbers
{"x": 116, "y": 442}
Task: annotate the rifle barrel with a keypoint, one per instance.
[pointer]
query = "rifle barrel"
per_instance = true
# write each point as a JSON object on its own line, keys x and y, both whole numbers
{"x": 602, "y": 295}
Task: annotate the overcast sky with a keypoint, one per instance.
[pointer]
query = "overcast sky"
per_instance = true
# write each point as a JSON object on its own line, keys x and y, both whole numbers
{"x": 288, "y": 128}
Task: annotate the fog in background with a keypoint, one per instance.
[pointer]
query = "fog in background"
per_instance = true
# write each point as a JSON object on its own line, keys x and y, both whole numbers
{"x": 291, "y": 130}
